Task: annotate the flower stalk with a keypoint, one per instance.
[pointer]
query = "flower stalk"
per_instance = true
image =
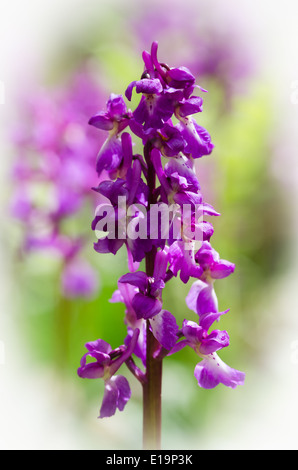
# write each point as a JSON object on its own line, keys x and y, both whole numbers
{"x": 153, "y": 384}
{"x": 152, "y": 396}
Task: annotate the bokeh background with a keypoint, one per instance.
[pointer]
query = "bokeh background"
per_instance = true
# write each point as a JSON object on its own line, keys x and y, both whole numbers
{"x": 72, "y": 56}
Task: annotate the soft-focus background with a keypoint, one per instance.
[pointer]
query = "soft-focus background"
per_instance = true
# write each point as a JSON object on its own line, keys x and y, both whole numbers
{"x": 245, "y": 55}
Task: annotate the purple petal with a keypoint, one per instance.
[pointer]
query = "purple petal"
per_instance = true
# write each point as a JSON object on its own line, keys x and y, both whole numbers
{"x": 207, "y": 230}
{"x": 112, "y": 190}
{"x": 99, "y": 345}
{"x": 102, "y": 121}
{"x": 130, "y": 347}
{"x": 222, "y": 269}
{"x": 138, "y": 249}
{"x": 173, "y": 142}
{"x": 192, "y": 332}
{"x": 212, "y": 371}
{"x": 209, "y": 210}
{"x": 137, "y": 129}
{"x": 140, "y": 348}
{"x": 154, "y": 47}
{"x": 191, "y": 106}
{"x": 156, "y": 160}
{"x": 182, "y": 259}
{"x": 207, "y": 319}
{"x": 148, "y": 113}
{"x": 148, "y": 61}
{"x": 124, "y": 390}
{"x": 180, "y": 77}
{"x": 207, "y": 300}
{"x": 128, "y": 92}
{"x": 133, "y": 179}
{"x": 187, "y": 198}
{"x": 93, "y": 370}
{"x": 125, "y": 294}
{"x": 215, "y": 341}
{"x": 110, "y": 400}
{"x": 178, "y": 346}
{"x": 116, "y": 107}
{"x": 106, "y": 245}
{"x": 192, "y": 296}
{"x": 205, "y": 146}
{"x": 165, "y": 329}
{"x": 198, "y": 140}
{"x": 116, "y": 297}
{"x": 165, "y": 105}
{"x": 181, "y": 167}
{"x": 149, "y": 86}
{"x": 146, "y": 307}
{"x": 98, "y": 350}
{"x": 110, "y": 155}
{"x": 161, "y": 263}
{"x": 202, "y": 298}
{"x": 127, "y": 151}
{"x": 138, "y": 279}
{"x": 155, "y": 287}
{"x": 206, "y": 255}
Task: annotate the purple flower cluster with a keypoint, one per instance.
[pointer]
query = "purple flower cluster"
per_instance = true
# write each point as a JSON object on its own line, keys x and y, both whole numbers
{"x": 163, "y": 176}
{"x": 52, "y": 174}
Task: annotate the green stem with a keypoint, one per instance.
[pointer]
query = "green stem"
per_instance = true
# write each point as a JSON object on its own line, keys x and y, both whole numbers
{"x": 152, "y": 397}
{"x": 153, "y": 381}
{"x": 62, "y": 325}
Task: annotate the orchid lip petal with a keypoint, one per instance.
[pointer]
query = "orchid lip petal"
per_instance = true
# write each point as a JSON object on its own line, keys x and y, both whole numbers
{"x": 165, "y": 329}
{"x": 212, "y": 371}
{"x": 116, "y": 395}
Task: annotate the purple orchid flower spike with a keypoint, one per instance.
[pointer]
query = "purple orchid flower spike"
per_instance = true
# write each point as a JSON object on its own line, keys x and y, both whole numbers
{"x": 154, "y": 206}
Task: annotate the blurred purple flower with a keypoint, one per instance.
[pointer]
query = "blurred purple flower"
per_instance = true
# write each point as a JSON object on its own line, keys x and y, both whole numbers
{"x": 53, "y": 173}
{"x": 79, "y": 279}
